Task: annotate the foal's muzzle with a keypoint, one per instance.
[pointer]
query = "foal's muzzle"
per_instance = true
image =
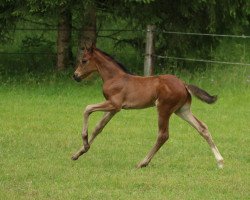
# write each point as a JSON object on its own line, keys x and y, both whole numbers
{"x": 77, "y": 78}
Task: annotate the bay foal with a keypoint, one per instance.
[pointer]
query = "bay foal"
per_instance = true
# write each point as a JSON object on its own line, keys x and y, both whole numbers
{"x": 125, "y": 91}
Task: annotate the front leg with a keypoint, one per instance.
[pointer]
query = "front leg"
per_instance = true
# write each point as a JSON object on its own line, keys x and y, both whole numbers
{"x": 105, "y": 106}
{"x": 100, "y": 126}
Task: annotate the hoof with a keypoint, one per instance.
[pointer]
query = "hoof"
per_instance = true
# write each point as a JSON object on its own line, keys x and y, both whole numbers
{"x": 141, "y": 165}
{"x": 220, "y": 164}
{"x": 74, "y": 157}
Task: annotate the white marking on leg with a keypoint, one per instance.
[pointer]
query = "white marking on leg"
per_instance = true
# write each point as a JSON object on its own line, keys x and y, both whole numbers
{"x": 187, "y": 115}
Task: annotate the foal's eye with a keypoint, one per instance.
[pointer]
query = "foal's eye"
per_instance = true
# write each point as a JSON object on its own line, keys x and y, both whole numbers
{"x": 84, "y": 61}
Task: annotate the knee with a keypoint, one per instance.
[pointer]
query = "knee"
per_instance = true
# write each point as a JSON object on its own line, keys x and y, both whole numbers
{"x": 87, "y": 111}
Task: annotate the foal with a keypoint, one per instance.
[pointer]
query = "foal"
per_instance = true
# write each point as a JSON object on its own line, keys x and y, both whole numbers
{"x": 125, "y": 91}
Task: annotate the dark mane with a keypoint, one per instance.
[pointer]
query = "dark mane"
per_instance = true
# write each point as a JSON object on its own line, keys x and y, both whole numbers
{"x": 120, "y": 65}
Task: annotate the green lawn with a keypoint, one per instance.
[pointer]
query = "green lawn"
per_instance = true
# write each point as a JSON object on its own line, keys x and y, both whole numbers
{"x": 40, "y": 128}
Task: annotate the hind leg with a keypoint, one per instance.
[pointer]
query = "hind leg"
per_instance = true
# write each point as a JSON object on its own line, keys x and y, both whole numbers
{"x": 186, "y": 114}
{"x": 163, "y": 135}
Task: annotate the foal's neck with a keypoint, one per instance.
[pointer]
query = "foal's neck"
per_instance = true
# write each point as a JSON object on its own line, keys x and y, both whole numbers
{"x": 107, "y": 67}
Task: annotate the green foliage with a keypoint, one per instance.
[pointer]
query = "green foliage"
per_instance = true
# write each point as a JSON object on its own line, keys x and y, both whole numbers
{"x": 202, "y": 16}
{"x": 41, "y": 50}
{"x": 140, "y": 1}
{"x": 9, "y": 15}
{"x": 31, "y": 52}
{"x": 37, "y": 44}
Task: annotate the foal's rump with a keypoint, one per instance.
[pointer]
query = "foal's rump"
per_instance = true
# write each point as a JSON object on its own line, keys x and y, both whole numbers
{"x": 172, "y": 90}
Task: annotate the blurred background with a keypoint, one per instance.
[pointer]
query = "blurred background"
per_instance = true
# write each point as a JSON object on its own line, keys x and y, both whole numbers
{"x": 40, "y": 37}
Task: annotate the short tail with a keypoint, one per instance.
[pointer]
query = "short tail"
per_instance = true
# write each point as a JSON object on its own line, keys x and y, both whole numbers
{"x": 201, "y": 94}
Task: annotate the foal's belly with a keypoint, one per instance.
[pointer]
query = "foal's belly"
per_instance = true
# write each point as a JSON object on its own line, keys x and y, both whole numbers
{"x": 137, "y": 105}
{"x": 139, "y": 98}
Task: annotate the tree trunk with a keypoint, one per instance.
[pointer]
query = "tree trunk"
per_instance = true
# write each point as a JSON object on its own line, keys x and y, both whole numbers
{"x": 88, "y": 30}
{"x": 64, "y": 51}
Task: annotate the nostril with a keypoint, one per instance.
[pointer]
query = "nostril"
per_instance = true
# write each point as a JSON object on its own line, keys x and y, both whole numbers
{"x": 76, "y": 77}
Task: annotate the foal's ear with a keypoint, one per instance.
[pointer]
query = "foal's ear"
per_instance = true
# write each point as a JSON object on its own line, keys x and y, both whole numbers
{"x": 93, "y": 46}
{"x": 85, "y": 47}
{"x": 88, "y": 48}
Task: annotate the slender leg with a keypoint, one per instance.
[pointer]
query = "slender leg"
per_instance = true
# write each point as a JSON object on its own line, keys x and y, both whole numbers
{"x": 99, "y": 127}
{"x": 202, "y": 128}
{"x": 163, "y": 135}
{"x": 106, "y": 106}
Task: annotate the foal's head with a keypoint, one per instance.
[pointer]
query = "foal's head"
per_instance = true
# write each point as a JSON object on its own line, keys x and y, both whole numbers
{"x": 85, "y": 64}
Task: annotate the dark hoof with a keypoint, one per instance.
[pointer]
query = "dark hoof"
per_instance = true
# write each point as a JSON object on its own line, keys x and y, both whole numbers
{"x": 74, "y": 157}
{"x": 141, "y": 165}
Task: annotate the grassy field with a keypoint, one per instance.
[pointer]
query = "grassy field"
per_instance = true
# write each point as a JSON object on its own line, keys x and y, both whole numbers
{"x": 40, "y": 128}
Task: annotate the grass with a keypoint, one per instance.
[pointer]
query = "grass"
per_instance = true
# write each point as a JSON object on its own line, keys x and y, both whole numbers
{"x": 40, "y": 129}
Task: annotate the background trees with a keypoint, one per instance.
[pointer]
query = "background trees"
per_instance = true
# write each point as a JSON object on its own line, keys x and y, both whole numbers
{"x": 64, "y": 51}
{"x": 77, "y": 23}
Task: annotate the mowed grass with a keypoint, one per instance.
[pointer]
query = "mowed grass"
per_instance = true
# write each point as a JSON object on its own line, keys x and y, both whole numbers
{"x": 40, "y": 128}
